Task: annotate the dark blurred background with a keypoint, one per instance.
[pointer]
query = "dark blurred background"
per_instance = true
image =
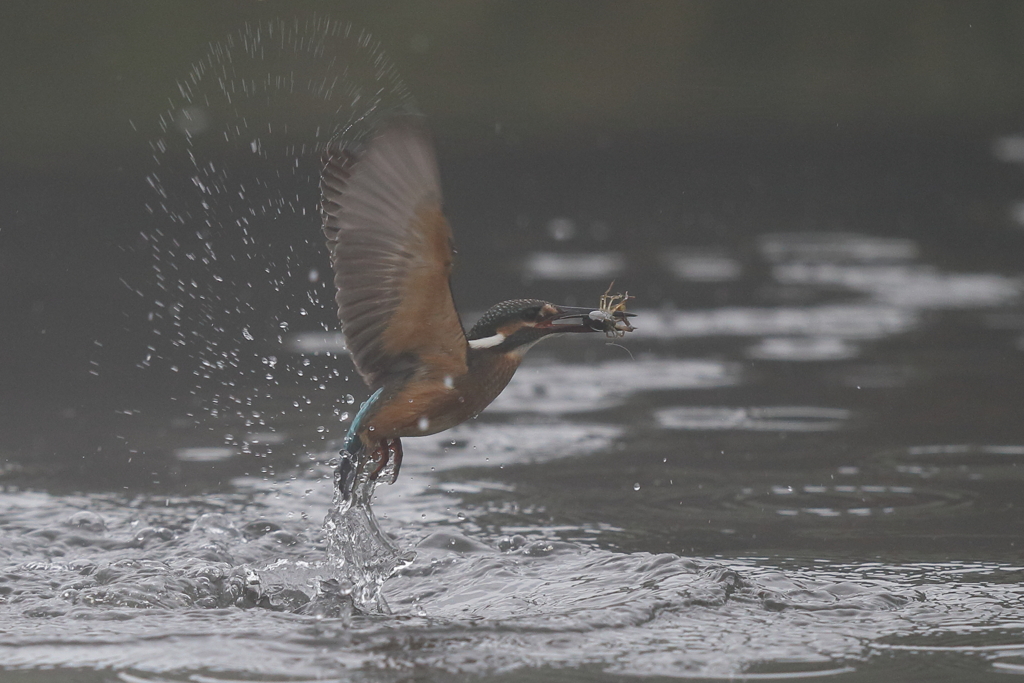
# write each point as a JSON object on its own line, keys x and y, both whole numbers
{"x": 663, "y": 123}
{"x": 555, "y": 73}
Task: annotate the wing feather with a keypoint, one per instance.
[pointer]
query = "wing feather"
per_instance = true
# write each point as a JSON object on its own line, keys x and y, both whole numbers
{"x": 390, "y": 248}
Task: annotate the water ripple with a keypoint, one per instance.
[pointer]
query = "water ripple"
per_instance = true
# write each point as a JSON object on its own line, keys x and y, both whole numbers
{"x": 845, "y": 321}
{"x": 559, "y": 389}
{"x": 555, "y": 266}
{"x": 917, "y": 286}
{"x": 159, "y": 586}
{"x": 775, "y": 418}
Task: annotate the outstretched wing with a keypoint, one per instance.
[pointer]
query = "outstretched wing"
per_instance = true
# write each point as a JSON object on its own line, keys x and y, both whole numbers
{"x": 391, "y": 250}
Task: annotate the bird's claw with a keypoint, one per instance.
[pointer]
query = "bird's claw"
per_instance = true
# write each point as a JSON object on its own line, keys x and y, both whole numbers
{"x": 346, "y": 475}
{"x": 387, "y": 451}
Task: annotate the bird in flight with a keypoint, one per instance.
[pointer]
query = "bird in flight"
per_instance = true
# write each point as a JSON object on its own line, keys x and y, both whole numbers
{"x": 391, "y": 251}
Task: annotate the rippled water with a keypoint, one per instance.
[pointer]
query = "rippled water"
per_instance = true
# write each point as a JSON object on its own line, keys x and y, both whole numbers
{"x": 666, "y": 516}
{"x": 806, "y": 462}
{"x": 512, "y": 575}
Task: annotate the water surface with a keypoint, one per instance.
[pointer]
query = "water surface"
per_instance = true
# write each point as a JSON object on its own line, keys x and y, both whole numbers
{"x": 806, "y": 462}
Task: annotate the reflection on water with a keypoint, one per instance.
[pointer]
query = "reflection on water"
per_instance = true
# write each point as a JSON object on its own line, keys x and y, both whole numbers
{"x": 478, "y": 443}
{"x": 557, "y": 389}
{"x": 836, "y": 247}
{"x": 851, "y": 321}
{"x": 1009, "y": 148}
{"x": 702, "y": 266}
{"x": 551, "y": 266}
{"x": 779, "y": 418}
{"x": 960, "y": 462}
{"x": 207, "y": 454}
{"x": 843, "y": 499}
{"x": 909, "y": 286}
{"x": 803, "y": 349}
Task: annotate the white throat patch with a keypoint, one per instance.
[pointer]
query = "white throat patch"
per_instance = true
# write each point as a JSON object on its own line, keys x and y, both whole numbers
{"x": 486, "y": 342}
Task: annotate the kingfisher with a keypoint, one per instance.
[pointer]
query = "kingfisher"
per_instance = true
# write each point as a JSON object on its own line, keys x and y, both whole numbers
{"x": 391, "y": 251}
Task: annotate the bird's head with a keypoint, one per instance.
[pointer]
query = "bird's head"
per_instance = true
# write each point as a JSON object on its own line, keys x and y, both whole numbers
{"x": 514, "y": 326}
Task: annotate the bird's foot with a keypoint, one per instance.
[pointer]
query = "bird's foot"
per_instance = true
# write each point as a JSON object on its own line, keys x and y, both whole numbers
{"x": 354, "y": 468}
{"x": 388, "y": 451}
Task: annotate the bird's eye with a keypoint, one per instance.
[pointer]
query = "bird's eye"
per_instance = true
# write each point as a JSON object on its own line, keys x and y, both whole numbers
{"x": 531, "y": 313}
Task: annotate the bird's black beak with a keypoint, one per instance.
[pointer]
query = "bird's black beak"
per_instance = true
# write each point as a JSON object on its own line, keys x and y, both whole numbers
{"x": 577, "y": 319}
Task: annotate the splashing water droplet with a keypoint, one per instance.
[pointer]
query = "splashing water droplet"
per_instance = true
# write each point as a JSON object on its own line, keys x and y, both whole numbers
{"x": 225, "y": 223}
{"x": 359, "y": 549}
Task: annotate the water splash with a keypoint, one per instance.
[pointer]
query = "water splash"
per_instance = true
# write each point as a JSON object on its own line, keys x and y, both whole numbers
{"x": 236, "y": 255}
{"x": 234, "y": 233}
{"x": 358, "y": 550}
